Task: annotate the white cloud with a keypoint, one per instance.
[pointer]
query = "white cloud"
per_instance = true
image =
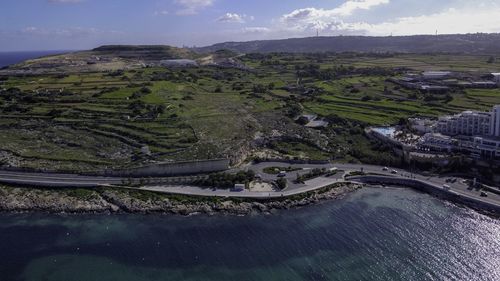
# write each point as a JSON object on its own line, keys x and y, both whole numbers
{"x": 349, "y": 7}
{"x": 234, "y": 18}
{"x": 324, "y": 19}
{"x": 452, "y": 20}
{"x": 256, "y": 29}
{"x": 161, "y": 13}
{"x": 191, "y": 7}
{"x": 461, "y": 17}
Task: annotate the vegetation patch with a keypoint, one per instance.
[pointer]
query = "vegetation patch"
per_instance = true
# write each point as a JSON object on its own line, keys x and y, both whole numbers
{"x": 277, "y": 170}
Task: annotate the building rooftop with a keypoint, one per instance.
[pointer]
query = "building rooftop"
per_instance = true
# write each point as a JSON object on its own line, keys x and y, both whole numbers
{"x": 436, "y": 73}
{"x": 317, "y": 124}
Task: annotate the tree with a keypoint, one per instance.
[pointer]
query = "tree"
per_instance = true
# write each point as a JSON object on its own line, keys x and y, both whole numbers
{"x": 146, "y": 90}
{"x": 137, "y": 106}
{"x": 294, "y": 110}
{"x": 281, "y": 183}
{"x": 161, "y": 109}
{"x": 259, "y": 88}
{"x": 302, "y": 120}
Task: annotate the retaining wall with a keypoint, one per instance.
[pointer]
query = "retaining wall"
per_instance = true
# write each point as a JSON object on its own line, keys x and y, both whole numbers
{"x": 173, "y": 169}
{"x": 432, "y": 189}
{"x": 294, "y": 161}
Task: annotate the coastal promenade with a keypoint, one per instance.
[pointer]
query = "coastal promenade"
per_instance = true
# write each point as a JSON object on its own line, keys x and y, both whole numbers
{"x": 371, "y": 174}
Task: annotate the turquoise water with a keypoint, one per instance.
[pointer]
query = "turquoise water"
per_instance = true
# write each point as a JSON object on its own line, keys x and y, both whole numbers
{"x": 386, "y": 131}
{"x": 373, "y": 234}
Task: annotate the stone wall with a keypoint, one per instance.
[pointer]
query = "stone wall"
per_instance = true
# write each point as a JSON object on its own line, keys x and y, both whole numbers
{"x": 432, "y": 189}
{"x": 173, "y": 169}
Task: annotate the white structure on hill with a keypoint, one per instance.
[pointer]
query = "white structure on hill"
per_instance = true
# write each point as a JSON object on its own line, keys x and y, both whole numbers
{"x": 496, "y": 78}
{"x": 486, "y": 148}
{"x": 433, "y": 75}
{"x": 436, "y": 142}
{"x": 467, "y": 123}
{"x": 495, "y": 121}
{"x": 178, "y": 63}
{"x": 482, "y": 129}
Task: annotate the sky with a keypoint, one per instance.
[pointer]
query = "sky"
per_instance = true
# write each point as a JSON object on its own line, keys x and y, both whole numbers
{"x": 83, "y": 24}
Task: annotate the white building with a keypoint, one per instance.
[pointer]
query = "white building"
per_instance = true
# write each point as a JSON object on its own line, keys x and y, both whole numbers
{"x": 238, "y": 187}
{"x": 486, "y": 148}
{"x": 437, "y": 142}
{"x": 483, "y": 129}
{"x": 495, "y": 121}
{"x": 496, "y": 78}
{"x": 178, "y": 63}
{"x": 433, "y": 75}
{"x": 422, "y": 126}
{"x": 468, "y": 123}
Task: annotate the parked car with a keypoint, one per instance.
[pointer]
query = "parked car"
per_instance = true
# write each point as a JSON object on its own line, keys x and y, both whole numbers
{"x": 281, "y": 174}
{"x": 385, "y": 169}
{"x": 394, "y": 172}
{"x": 484, "y": 194}
{"x": 446, "y": 187}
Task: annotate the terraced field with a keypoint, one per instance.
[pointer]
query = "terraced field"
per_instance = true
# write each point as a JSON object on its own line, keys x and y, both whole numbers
{"x": 98, "y": 120}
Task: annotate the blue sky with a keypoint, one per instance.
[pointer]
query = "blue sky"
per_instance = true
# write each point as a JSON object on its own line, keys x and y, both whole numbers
{"x": 83, "y": 24}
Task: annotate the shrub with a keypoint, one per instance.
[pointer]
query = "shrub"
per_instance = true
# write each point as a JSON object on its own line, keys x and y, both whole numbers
{"x": 281, "y": 183}
{"x": 366, "y": 98}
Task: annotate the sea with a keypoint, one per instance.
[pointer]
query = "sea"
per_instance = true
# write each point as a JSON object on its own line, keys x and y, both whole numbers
{"x": 9, "y": 58}
{"x": 371, "y": 234}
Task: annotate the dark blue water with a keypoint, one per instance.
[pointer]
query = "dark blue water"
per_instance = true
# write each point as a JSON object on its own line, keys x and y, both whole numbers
{"x": 8, "y": 58}
{"x": 373, "y": 234}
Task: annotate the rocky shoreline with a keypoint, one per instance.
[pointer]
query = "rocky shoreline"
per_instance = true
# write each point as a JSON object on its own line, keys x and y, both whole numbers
{"x": 82, "y": 201}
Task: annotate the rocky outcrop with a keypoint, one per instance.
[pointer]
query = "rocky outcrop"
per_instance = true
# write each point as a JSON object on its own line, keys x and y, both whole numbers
{"x": 132, "y": 201}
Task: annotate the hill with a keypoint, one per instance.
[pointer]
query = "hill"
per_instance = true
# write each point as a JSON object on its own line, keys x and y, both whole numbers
{"x": 456, "y": 43}
{"x": 145, "y": 52}
{"x": 104, "y": 58}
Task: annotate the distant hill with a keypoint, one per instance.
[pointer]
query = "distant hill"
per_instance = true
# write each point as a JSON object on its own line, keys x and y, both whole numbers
{"x": 457, "y": 43}
{"x": 104, "y": 58}
{"x": 146, "y": 52}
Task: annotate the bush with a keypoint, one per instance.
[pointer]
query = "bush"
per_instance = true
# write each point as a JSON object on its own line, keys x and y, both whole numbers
{"x": 259, "y": 89}
{"x": 294, "y": 110}
{"x": 226, "y": 180}
{"x": 146, "y": 90}
{"x": 302, "y": 120}
{"x": 281, "y": 183}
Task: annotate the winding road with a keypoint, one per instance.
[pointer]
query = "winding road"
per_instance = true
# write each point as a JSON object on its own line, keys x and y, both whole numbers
{"x": 161, "y": 184}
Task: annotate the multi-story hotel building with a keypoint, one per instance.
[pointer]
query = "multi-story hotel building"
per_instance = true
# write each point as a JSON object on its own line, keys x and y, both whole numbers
{"x": 468, "y": 123}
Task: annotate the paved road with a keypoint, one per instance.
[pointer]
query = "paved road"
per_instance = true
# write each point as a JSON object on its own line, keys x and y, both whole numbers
{"x": 70, "y": 180}
{"x": 438, "y": 182}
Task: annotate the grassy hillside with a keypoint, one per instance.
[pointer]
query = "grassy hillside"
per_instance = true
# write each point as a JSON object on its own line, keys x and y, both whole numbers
{"x": 104, "y": 58}
{"x": 459, "y": 43}
{"x": 145, "y": 52}
{"x": 117, "y": 118}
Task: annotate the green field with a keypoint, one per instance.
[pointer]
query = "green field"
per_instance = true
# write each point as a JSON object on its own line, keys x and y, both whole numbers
{"x": 98, "y": 120}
